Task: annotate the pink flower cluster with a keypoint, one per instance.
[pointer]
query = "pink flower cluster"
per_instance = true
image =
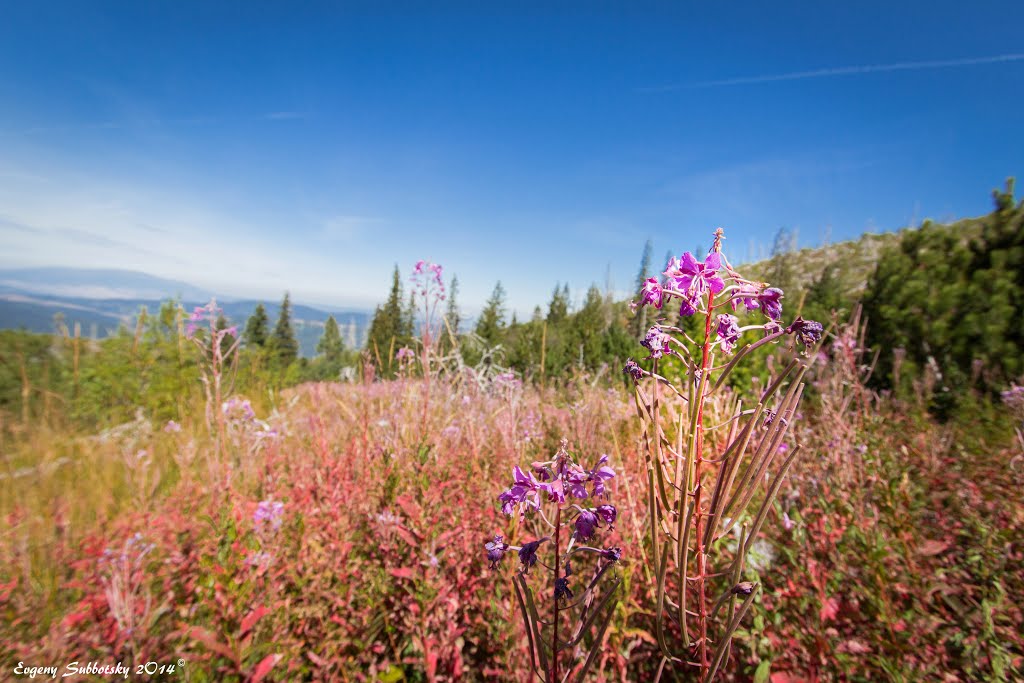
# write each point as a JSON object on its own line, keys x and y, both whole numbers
{"x": 426, "y": 275}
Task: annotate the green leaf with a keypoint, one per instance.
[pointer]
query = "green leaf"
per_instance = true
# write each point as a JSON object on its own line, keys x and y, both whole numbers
{"x": 392, "y": 675}
{"x": 764, "y": 670}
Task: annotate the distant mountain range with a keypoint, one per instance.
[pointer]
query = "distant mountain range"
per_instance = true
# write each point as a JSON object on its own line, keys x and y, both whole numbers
{"x": 101, "y": 301}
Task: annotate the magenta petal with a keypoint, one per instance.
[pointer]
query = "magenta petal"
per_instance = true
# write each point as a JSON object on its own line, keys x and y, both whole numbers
{"x": 713, "y": 261}
{"x": 688, "y": 264}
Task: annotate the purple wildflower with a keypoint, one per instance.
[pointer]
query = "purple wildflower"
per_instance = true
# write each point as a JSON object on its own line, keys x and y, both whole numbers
{"x": 807, "y": 331}
{"x": 1013, "y": 397}
{"x": 651, "y": 293}
{"x": 496, "y": 550}
{"x": 404, "y": 354}
{"x": 577, "y": 479}
{"x": 523, "y": 492}
{"x": 269, "y": 513}
{"x": 528, "y": 554}
{"x": 612, "y": 554}
{"x": 599, "y": 475}
{"x": 728, "y": 331}
{"x": 633, "y": 370}
{"x": 541, "y": 471}
{"x": 688, "y": 306}
{"x": 770, "y": 302}
{"x": 607, "y": 513}
{"x": 586, "y": 523}
{"x": 555, "y": 490}
{"x": 694, "y": 277}
{"x": 657, "y": 342}
{"x": 748, "y": 295}
{"x": 562, "y": 591}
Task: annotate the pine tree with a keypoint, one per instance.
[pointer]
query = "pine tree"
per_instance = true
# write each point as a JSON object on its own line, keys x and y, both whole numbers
{"x": 257, "y": 329}
{"x": 387, "y": 334}
{"x": 992, "y": 327}
{"x": 452, "y": 315}
{"x": 330, "y": 346}
{"x": 589, "y": 326}
{"x": 558, "y": 308}
{"x": 826, "y": 295}
{"x": 283, "y": 344}
{"x": 492, "y": 319}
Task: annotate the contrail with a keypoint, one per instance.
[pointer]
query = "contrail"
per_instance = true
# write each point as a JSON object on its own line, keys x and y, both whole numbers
{"x": 846, "y": 71}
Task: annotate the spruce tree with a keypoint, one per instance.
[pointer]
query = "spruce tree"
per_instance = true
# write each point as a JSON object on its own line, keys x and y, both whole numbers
{"x": 492, "y": 319}
{"x": 589, "y": 326}
{"x": 452, "y": 315}
{"x": 330, "y": 346}
{"x": 558, "y": 308}
{"x": 991, "y": 328}
{"x": 284, "y": 345}
{"x": 386, "y": 334}
{"x": 257, "y": 329}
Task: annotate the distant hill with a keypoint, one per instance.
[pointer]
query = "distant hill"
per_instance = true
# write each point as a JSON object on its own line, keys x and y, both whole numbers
{"x": 95, "y": 283}
{"x": 857, "y": 258}
{"x": 100, "y": 301}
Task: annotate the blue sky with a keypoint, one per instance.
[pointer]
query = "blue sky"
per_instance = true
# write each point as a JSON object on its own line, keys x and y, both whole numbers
{"x": 255, "y": 147}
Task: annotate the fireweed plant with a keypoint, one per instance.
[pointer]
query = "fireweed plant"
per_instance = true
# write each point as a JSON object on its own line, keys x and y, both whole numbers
{"x": 699, "y": 493}
{"x": 575, "y": 592}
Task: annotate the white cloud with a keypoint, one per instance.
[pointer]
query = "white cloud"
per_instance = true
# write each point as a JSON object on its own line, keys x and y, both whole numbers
{"x": 78, "y": 221}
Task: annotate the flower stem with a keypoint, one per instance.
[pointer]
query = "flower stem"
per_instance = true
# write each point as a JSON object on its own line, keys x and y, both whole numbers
{"x": 698, "y": 516}
{"x": 554, "y": 628}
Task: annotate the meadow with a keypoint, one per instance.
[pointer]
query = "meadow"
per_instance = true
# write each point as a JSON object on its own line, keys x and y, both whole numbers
{"x": 336, "y": 531}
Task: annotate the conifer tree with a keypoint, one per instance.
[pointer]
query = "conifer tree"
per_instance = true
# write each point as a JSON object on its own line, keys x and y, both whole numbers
{"x": 558, "y": 308}
{"x": 387, "y": 329}
{"x": 257, "y": 329}
{"x": 826, "y": 295}
{"x": 492, "y": 319}
{"x": 589, "y": 326}
{"x": 330, "y": 346}
{"x": 283, "y": 344}
{"x": 992, "y": 327}
{"x": 452, "y": 315}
